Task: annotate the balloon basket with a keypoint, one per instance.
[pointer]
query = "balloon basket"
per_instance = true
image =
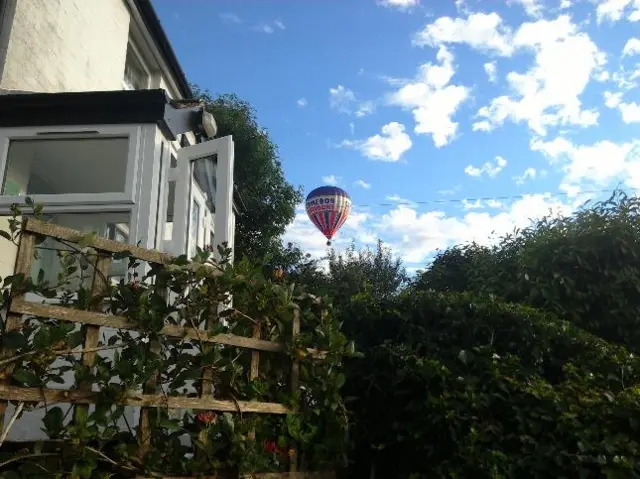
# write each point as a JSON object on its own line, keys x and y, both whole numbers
{"x": 329, "y": 243}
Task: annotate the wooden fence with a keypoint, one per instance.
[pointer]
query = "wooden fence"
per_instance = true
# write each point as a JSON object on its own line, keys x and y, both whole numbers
{"x": 82, "y": 395}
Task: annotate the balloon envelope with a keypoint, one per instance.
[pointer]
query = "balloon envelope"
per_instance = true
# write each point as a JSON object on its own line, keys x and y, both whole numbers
{"x": 328, "y": 208}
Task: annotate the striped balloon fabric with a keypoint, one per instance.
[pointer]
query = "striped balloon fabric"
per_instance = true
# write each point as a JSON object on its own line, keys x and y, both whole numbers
{"x": 328, "y": 208}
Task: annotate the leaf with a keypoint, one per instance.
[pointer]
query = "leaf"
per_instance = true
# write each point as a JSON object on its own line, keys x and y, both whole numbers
{"x": 15, "y": 340}
{"x": 75, "y": 339}
{"x": 52, "y": 421}
{"x": 26, "y": 378}
{"x": 340, "y": 380}
{"x": 6, "y": 235}
{"x": 172, "y": 425}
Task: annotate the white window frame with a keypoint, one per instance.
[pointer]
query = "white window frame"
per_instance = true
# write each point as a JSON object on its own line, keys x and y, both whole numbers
{"x": 75, "y": 200}
{"x": 135, "y": 52}
{"x": 222, "y": 221}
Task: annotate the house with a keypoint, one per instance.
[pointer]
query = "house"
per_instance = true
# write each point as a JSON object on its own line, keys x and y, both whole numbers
{"x": 98, "y": 124}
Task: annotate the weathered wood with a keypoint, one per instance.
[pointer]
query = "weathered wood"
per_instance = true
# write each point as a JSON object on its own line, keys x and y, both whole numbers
{"x": 26, "y": 252}
{"x": 99, "y": 286}
{"x": 67, "y": 234}
{"x": 14, "y": 393}
{"x": 254, "y": 370}
{"x": 150, "y": 387}
{"x": 120, "y": 322}
{"x": 295, "y": 377}
{"x": 290, "y": 475}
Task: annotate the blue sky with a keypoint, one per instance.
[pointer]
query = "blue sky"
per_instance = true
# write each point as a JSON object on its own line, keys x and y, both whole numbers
{"x": 412, "y": 104}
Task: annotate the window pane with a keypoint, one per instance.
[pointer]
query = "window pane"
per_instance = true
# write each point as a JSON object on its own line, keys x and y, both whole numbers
{"x": 107, "y": 225}
{"x": 134, "y": 76}
{"x": 60, "y": 166}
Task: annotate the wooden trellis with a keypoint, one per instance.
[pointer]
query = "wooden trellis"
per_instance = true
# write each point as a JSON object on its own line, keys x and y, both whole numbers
{"x": 82, "y": 395}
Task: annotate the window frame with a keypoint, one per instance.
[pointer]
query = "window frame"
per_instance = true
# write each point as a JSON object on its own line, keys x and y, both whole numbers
{"x": 132, "y": 132}
{"x": 139, "y": 58}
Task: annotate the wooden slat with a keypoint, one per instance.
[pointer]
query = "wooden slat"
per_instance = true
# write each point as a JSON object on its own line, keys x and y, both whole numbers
{"x": 150, "y": 387}
{"x": 99, "y": 285}
{"x": 103, "y": 244}
{"x": 290, "y": 475}
{"x": 295, "y": 377}
{"x": 15, "y": 393}
{"x": 120, "y": 322}
{"x": 26, "y": 251}
{"x": 254, "y": 370}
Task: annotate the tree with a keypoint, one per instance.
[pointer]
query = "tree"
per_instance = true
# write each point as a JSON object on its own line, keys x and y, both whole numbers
{"x": 269, "y": 200}
{"x": 355, "y": 271}
{"x": 583, "y": 268}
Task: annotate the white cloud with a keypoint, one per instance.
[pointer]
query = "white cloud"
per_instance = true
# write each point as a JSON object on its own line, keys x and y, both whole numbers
{"x": 270, "y": 27}
{"x": 390, "y": 145}
{"x": 632, "y": 47}
{"x": 489, "y": 168}
{"x": 341, "y": 98}
{"x": 365, "y": 108}
{"x": 399, "y": 4}
{"x": 533, "y": 8}
{"x": 432, "y": 100}
{"x": 302, "y": 102}
{"x": 230, "y": 18}
{"x": 614, "y": 10}
{"x": 416, "y": 235}
{"x": 596, "y": 165}
{"x": 332, "y": 180}
{"x": 362, "y": 184}
{"x": 490, "y": 70}
{"x": 344, "y": 100}
{"x": 482, "y": 31}
{"x": 529, "y": 174}
{"x": 630, "y": 112}
{"x": 450, "y": 191}
{"x": 400, "y": 200}
{"x": 612, "y": 100}
{"x": 548, "y": 94}
{"x": 564, "y": 4}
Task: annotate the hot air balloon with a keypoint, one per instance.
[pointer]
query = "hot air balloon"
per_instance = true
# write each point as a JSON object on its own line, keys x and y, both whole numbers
{"x": 328, "y": 208}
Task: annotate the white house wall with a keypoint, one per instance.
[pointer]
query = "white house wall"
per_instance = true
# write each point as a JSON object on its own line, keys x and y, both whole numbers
{"x": 66, "y": 45}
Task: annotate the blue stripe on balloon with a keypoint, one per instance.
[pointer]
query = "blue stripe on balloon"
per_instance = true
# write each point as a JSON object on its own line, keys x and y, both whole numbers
{"x": 327, "y": 190}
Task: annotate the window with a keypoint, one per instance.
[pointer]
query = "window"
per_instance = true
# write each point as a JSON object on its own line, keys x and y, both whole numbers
{"x": 194, "y": 230}
{"x": 62, "y": 166}
{"x": 135, "y": 76}
{"x": 113, "y": 226}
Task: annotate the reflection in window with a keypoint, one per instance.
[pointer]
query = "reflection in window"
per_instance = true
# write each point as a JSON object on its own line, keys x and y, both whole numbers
{"x": 62, "y": 166}
{"x": 107, "y": 225}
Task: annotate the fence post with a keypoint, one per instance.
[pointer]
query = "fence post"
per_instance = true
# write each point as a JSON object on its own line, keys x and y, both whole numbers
{"x": 99, "y": 284}
{"x": 26, "y": 252}
{"x": 295, "y": 378}
{"x": 255, "y": 368}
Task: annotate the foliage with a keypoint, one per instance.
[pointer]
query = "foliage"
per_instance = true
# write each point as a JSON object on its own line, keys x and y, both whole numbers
{"x": 103, "y": 440}
{"x": 584, "y": 268}
{"x": 269, "y": 200}
{"x": 460, "y": 385}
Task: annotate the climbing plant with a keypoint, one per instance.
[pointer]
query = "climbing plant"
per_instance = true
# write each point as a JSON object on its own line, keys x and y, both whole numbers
{"x": 205, "y": 295}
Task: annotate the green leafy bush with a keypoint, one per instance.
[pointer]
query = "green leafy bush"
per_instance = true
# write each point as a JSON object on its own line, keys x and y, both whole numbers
{"x": 462, "y": 385}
